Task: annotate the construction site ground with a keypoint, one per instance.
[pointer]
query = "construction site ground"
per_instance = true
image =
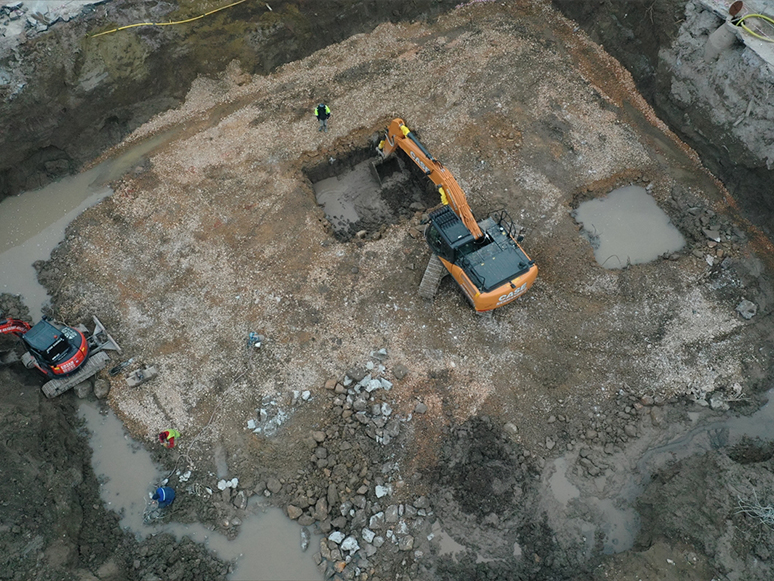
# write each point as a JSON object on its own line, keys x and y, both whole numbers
{"x": 219, "y": 235}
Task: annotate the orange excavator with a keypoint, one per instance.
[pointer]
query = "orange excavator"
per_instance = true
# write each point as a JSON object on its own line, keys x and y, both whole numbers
{"x": 483, "y": 257}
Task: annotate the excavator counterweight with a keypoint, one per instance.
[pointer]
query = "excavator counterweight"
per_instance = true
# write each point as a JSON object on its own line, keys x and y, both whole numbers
{"x": 483, "y": 257}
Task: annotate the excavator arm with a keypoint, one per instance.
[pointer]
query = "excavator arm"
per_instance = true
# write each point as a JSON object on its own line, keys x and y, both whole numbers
{"x": 399, "y": 135}
{"x": 15, "y": 326}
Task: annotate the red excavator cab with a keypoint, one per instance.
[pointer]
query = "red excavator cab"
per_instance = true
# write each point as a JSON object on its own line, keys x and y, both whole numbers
{"x": 58, "y": 350}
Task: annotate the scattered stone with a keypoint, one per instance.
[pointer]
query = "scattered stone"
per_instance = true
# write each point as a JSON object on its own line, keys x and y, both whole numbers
{"x": 400, "y": 371}
{"x": 747, "y": 309}
{"x": 273, "y": 485}
{"x": 406, "y": 543}
{"x": 717, "y": 402}
{"x": 83, "y": 389}
{"x": 350, "y": 544}
{"x": 420, "y": 408}
{"x": 630, "y": 430}
{"x": 240, "y": 500}
{"x": 294, "y": 512}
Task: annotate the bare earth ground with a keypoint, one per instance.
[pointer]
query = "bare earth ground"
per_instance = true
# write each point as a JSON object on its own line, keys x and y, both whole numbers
{"x": 221, "y": 236}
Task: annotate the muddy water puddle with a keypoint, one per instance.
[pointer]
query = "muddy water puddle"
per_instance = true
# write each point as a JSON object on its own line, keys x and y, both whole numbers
{"x": 33, "y": 223}
{"x": 350, "y": 197}
{"x": 591, "y": 509}
{"x": 267, "y": 546}
{"x": 627, "y": 227}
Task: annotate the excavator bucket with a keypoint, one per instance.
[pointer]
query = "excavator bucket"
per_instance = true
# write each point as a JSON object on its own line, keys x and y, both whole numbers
{"x": 101, "y": 340}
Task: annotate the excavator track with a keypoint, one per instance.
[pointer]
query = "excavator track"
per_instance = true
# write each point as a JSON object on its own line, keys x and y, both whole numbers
{"x": 94, "y": 365}
{"x": 431, "y": 280}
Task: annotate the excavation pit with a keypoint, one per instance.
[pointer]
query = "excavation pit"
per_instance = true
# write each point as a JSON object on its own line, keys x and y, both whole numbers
{"x": 627, "y": 227}
{"x": 363, "y": 194}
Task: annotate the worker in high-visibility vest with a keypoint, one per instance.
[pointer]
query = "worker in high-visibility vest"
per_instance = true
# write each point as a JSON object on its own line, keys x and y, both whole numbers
{"x": 322, "y": 112}
{"x": 168, "y": 437}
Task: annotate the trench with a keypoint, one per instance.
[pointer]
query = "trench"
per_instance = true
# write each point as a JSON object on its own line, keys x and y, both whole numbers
{"x": 646, "y": 38}
{"x": 268, "y": 546}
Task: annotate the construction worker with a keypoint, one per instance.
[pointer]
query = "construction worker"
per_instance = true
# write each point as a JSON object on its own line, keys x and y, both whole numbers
{"x": 167, "y": 437}
{"x": 322, "y": 112}
{"x": 164, "y": 495}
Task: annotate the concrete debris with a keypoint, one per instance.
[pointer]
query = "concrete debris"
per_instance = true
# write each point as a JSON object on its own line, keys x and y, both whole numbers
{"x": 747, "y": 309}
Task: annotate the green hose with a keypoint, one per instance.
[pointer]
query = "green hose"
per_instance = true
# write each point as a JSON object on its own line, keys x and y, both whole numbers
{"x": 768, "y": 19}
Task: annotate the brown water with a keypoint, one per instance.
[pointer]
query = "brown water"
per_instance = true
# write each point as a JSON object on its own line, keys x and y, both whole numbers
{"x": 627, "y": 227}
{"x": 268, "y": 545}
{"x": 351, "y": 197}
{"x": 33, "y": 223}
{"x": 584, "y": 514}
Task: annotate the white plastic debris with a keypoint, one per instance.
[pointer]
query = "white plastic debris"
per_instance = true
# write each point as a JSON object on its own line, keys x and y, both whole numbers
{"x": 250, "y": 424}
{"x": 222, "y": 485}
{"x": 185, "y": 476}
{"x": 306, "y": 394}
{"x": 234, "y": 482}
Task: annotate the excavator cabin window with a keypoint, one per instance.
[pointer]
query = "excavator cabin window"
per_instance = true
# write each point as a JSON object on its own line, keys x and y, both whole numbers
{"x": 438, "y": 244}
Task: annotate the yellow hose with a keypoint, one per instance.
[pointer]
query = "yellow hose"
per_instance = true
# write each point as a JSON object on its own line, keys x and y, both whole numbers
{"x": 167, "y": 23}
{"x": 768, "y": 19}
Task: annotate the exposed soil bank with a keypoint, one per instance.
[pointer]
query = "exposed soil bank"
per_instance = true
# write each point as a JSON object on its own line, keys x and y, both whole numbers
{"x": 723, "y": 109}
{"x": 67, "y": 97}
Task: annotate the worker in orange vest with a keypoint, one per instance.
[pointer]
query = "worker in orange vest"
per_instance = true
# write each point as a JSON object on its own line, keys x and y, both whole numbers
{"x": 167, "y": 437}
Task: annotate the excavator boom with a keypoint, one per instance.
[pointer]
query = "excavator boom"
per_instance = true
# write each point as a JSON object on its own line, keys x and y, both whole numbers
{"x": 399, "y": 135}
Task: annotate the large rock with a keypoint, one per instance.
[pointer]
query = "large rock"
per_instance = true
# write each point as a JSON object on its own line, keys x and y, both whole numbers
{"x": 294, "y": 512}
{"x": 101, "y": 388}
{"x": 273, "y": 485}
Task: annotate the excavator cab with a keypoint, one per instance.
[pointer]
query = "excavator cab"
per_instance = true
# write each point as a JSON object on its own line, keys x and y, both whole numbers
{"x": 52, "y": 345}
{"x": 490, "y": 262}
{"x": 447, "y": 236}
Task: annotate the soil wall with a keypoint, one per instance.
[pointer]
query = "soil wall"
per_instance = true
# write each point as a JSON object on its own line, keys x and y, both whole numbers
{"x": 721, "y": 108}
{"x": 68, "y": 96}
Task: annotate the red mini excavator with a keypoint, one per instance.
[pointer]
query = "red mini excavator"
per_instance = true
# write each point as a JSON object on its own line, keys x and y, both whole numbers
{"x": 483, "y": 257}
{"x": 63, "y": 354}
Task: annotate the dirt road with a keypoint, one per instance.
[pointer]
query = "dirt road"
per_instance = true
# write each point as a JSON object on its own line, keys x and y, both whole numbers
{"x": 373, "y": 413}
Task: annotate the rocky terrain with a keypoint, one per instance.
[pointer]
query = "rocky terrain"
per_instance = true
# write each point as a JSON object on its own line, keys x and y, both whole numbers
{"x": 384, "y": 422}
